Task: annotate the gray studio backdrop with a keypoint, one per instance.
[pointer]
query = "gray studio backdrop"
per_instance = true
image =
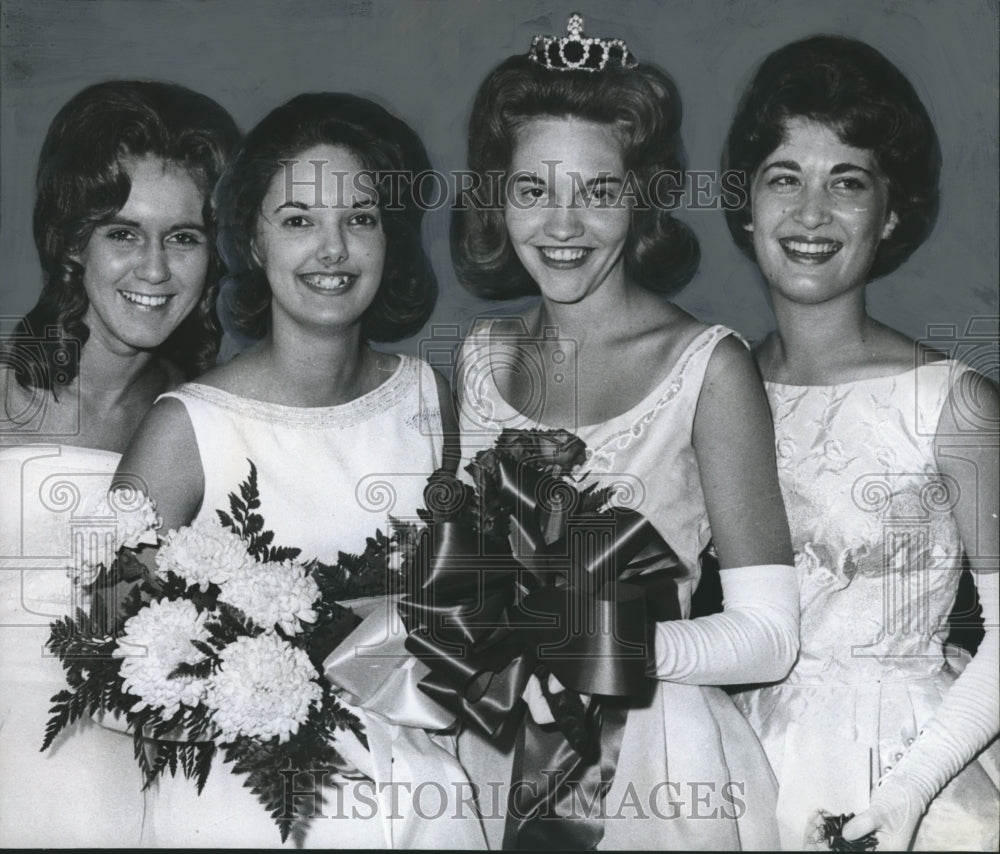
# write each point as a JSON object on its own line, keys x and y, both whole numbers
{"x": 423, "y": 59}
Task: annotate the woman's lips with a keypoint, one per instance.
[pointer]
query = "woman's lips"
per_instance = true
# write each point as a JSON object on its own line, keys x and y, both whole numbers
{"x": 564, "y": 257}
{"x": 810, "y": 250}
{"x": 146, "y": 302}
{"x": 328, "y": 283}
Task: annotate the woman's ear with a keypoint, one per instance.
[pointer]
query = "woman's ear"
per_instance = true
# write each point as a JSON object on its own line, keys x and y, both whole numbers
{"x": 890, "y": 225}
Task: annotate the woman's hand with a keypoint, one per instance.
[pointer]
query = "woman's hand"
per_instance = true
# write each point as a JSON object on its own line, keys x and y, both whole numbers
{"x": 357, "y": 758}
{"x": 893, "y": 816}
{"x": 538, "y": 705}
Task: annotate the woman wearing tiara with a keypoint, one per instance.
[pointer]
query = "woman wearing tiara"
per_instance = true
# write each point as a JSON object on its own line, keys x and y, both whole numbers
{"x": 887, "y": 460}
{"x": 126, "y": 241}
{"x": 586, "y": 139}
{"x": 321, "y": 233}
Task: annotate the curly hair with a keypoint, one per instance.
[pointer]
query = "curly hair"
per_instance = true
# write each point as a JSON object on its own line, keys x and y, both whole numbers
{"x": 82, "y": 182}
{"x": 387, "y": 148}
{"x": 641, "y": 103}
{"x": 854, "y": 90}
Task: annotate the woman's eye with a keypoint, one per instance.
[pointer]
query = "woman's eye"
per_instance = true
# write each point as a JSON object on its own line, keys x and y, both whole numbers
{"x": 185, "y": 238}
{"x": 364, "y": 219}
{"x": 852, "y": 184}
{"x": 783, "y": 181}
{"x": 603, "y": 195}
{"x": 296, "y": 221}
{"x": 121, "y": 235}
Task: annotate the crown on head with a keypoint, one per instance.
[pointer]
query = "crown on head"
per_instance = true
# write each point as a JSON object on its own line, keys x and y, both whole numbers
{"x": 575, "y": 52}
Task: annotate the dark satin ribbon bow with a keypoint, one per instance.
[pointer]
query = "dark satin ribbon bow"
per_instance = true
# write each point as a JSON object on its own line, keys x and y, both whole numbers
{"x": 576, "y": 596}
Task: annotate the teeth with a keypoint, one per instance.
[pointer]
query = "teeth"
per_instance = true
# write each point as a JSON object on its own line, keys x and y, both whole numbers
{"x": 327, "y": 282}
{"x": 145, "y": 299}
{"x": 811, "y": 248}
{"x": 564, "y": 254}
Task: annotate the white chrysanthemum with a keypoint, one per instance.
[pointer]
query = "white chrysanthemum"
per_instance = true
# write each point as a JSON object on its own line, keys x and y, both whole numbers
{"x": 137, "y": 518}
{"x": 203, "y": 553}
{"x": 157, "y": 639}
{"x": 264, "y": 687}
{"x": 273, "y": 594}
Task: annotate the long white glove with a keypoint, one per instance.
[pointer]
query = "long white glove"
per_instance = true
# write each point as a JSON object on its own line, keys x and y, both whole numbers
{"x": 755, "y": 639}
{"x": 966, "y": 721}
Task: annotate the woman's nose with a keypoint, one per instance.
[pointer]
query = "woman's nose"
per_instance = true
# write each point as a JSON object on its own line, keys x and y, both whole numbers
{"x": 332, "y": 248}
{"x": 154, "y": 266}
{"x": 563, "y": 222}
{"x": 813, "y": 208}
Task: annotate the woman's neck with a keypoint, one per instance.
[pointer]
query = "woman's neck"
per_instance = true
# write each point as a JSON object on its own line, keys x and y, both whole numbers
{"x": 107, "y": 380}
{"x": 817, "y": 343}
{"x": 603, "y": 315}
{"x": 318, "y": 368}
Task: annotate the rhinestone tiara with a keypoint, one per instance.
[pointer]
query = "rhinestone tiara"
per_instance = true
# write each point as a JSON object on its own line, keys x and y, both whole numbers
{"x": 576, "y": 52}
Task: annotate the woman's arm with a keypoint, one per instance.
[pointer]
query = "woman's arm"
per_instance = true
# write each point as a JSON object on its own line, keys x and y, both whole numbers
{"x": 734, "y": 444}
{"x": 163, "y": 461}
{"x": 966, "y": 447}
{"x": 756, "y": 638}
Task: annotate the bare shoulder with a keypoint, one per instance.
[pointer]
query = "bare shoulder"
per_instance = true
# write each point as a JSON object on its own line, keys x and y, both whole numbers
{"x": 664, "y": 331}
{"x": 167, "y": 424}
{"x": 732, "y": 375}
{"x": 972, "y": 408}
{"x": 163, "y": 459}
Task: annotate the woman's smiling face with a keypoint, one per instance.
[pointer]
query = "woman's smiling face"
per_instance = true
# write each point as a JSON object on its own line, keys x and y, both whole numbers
{"x": 820, "y": 209}
{"x": 562, "y": 208}
{"x": 144, "y": 269}
{"x": 320, "y": 240}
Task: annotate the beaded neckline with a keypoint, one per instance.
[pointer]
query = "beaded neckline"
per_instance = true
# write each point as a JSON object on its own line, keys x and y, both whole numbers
{"x": 378, "y": 400}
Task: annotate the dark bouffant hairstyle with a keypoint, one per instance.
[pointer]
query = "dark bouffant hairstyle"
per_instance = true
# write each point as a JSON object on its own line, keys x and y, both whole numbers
{"x": 388, "y": 149}
{"x": 642, "y": 104}
{"x": 853, "y": 89}
{"x": 81, "y": 183}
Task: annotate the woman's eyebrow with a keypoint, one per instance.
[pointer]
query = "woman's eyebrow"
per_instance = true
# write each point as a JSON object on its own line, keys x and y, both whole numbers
{"x": 840, "y": 168}
{"x": 783, "y": 164}
{"x": 131, "y": 223}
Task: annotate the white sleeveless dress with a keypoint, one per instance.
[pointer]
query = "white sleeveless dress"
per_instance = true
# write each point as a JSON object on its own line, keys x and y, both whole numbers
{"x": 86, "y": 788}
{"x": 328, "y": 477}
{"x": 691, "y": 738}
{"x": 878, "y": 555}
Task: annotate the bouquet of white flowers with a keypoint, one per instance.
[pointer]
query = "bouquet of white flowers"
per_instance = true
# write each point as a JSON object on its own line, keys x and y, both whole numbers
{"x": 217, "y": 648}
